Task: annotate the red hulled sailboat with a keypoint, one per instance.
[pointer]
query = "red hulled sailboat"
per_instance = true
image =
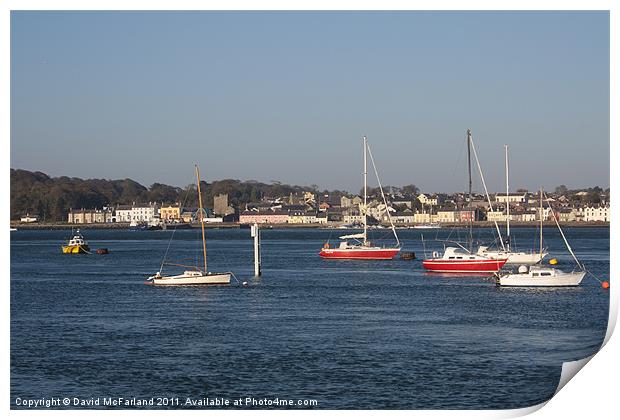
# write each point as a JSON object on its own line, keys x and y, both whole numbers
{"x": 357, "y": 246}
{"x": 461, "y": 259}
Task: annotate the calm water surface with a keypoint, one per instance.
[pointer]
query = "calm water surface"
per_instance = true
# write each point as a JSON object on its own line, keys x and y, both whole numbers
{"x": 348, "y": 334}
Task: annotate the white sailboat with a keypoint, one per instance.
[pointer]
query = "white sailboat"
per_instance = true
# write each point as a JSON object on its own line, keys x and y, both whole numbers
{"x": 195, "y": 277}
{"x": 514, "y": 257}
{"x": 543, "y": 276}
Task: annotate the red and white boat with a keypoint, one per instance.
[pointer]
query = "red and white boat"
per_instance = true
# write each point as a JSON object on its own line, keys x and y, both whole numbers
{"x": 361, "y": 251}
{"x": 455, "y": 260}
{"x": 463, "y": 260}
{"x": 361, "y": 248}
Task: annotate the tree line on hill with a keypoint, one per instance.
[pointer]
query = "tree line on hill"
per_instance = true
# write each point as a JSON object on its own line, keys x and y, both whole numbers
{"x": 50, "y": 198}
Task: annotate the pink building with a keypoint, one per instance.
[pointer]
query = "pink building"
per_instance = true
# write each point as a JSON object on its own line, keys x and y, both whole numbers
{"x": 467, "y": 215}
{"x": 270, "y": 217}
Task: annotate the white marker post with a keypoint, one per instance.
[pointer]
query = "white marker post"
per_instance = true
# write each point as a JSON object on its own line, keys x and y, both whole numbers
{"x": 256, "y": 235}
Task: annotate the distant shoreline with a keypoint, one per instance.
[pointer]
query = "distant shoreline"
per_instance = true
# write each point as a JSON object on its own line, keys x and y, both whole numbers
{"x": 335, "y": 225}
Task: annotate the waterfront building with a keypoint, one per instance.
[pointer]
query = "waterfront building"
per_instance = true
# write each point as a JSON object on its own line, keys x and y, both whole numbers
{"x": 497, "y": 216}
{"x": 170, "y": 212}
{"x": 404, "y": 217}
{"x": 467, "y": 215}
{"x": 308, "y": 217}
{"x": 122, "y": 214}
{"x": 595, "y": 213}
{"x": 295, "y": 216}
{"x": 446, "y": 216}
{"x": 143, "y": 212}
{"x": 422, "y": 218}
{"x": 263, "y": 217}
{"x": 321, "y": 218}
{"x": 87, "y": 216}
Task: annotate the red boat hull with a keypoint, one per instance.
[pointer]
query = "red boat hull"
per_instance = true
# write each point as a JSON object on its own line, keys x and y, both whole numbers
{"x": 460, "y": 266}
{"x": 359, "y": 254}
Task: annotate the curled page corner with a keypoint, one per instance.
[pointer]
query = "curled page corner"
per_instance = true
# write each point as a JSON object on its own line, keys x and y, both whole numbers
{"x": 570, "y": 369}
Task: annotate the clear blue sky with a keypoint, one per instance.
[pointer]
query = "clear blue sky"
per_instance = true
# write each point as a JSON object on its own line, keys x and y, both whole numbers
{"x": 287, "y": 95}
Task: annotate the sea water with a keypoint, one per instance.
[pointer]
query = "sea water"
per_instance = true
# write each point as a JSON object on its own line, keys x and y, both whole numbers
{"x": 326, "y": 334}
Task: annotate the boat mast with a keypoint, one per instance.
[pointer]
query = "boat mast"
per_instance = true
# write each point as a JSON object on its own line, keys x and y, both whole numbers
{"x": 541, "y": 224}
{"x": 202, "y": 222}
{"x": 364, "y": 219}
{"x": 507, "y": 204}
{"x": 387, "y": 211}
{"x": 471, "y": 222}
{"x": 486, "y": 193}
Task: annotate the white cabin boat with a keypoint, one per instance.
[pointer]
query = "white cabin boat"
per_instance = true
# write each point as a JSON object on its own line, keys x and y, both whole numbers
{"x": 542, "y": 277}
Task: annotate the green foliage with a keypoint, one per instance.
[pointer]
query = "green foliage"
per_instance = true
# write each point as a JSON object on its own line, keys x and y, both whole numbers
{"x": 52, "y": 198}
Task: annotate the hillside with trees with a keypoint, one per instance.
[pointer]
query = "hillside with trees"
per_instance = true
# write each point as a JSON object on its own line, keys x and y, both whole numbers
{"x": 49, "y": 198}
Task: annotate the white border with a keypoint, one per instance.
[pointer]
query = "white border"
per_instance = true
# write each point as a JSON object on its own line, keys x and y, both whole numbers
{"x": 591, "y": 395}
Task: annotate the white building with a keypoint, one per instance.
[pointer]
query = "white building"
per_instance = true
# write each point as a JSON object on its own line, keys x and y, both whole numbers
{"x": 595, "y": 213}
{"x": 405, "y": 217}
{"x": 143, "y": 212}
{"x": 511, "y": 198}
{"x": 496, "y": 216}
{"x": 123, "y": 214}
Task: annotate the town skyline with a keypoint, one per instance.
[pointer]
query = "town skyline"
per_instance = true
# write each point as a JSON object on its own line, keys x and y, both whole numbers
{"x": 265, "y": 96}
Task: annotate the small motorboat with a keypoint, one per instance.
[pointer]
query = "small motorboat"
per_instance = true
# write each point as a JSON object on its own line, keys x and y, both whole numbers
{"x": 76, "y": 245}
{"x": 102, "y": 251}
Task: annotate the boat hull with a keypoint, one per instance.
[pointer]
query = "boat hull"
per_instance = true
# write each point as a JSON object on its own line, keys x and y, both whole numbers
{"x": 459, "y": 266}
{"x": 359, "y": 253}
{"x": 184, "y": 280}
{"x": 525, "y": 280}
{"x": 75, "y": 249}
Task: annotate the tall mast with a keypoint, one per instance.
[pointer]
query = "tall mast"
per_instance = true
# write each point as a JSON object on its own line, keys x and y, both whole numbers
{"x": 471, "y": 222}
{"x": 541, "y": 223}
{"x": 365, "y": 192}
{"x": 507, "y": 203}
{"x": 387, "y": 211}
{"x": 202, "y": 222}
